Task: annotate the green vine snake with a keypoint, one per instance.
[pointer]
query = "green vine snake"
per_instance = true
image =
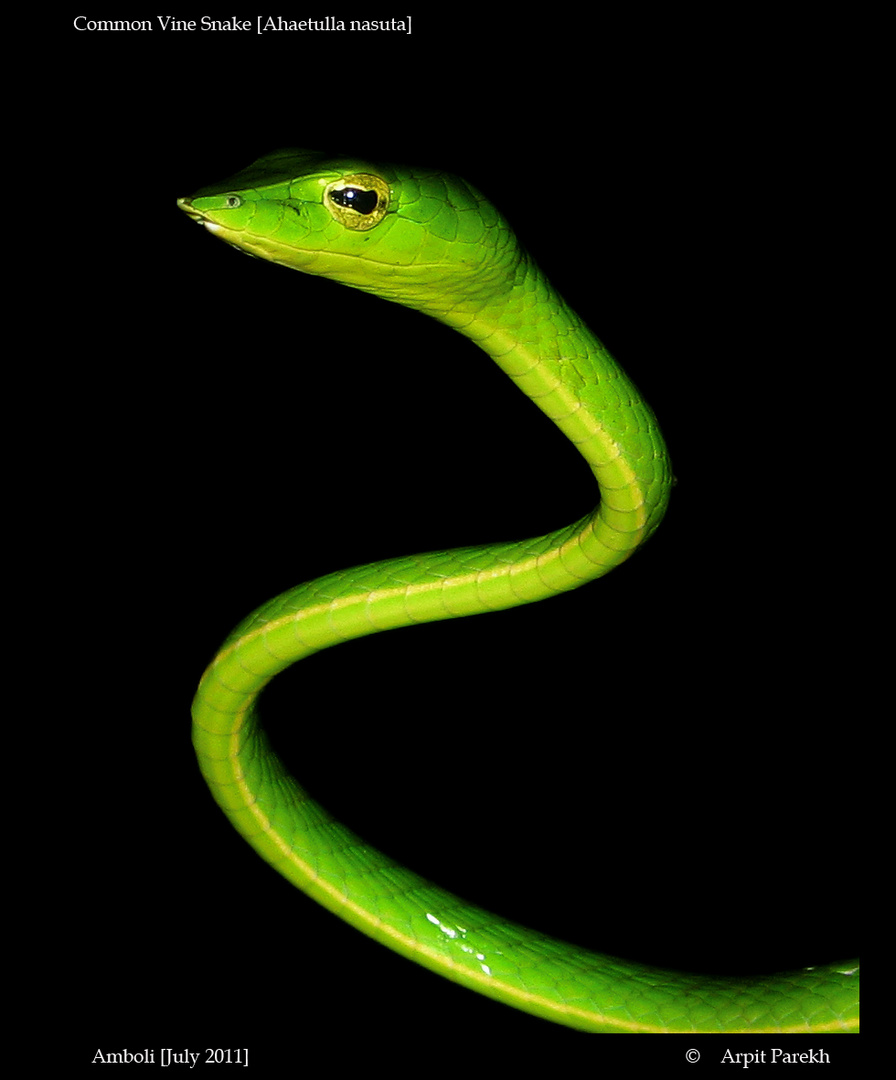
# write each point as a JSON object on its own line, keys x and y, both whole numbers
{"x": 431, "y": 242}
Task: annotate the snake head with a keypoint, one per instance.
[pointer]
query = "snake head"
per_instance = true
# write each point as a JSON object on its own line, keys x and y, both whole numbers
{"x": 424, "y": 239}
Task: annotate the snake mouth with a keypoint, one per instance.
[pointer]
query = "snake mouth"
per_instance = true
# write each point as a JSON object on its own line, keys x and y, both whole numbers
{"x": 199, "y": 216}
{"x": 187, "y": 206}
{"x": 214, "y": 227}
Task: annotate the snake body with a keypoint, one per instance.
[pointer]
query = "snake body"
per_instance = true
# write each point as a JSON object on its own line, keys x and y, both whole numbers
{"x": 431, "y": 242}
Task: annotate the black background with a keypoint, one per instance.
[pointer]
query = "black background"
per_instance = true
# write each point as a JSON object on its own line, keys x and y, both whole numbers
{"x": 660, "y": 765}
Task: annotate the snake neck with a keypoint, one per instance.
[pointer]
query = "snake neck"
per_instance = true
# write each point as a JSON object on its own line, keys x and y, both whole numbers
{"x": 557, "y": 362}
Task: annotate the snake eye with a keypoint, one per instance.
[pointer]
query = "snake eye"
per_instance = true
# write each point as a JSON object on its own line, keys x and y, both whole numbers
{"x": 233, "y": 201}
{"x": 357, "y": 198}
{"x": 358, "y": 201}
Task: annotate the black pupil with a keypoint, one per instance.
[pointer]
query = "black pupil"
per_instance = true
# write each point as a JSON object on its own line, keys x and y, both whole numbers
{"x": 358, "y": 199}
